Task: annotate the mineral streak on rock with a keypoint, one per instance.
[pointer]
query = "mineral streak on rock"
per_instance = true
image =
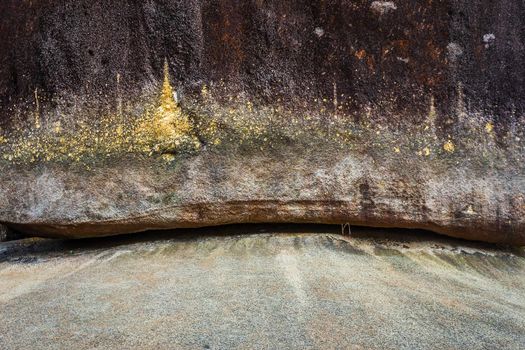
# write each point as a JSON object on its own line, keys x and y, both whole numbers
{"x": 119, "y": 117}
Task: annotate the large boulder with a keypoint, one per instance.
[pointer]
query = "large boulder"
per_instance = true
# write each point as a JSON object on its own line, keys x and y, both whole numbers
{"x": 118, "y": 117}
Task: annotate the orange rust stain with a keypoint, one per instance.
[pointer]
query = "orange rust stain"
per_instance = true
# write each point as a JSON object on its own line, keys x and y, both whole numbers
{"x": 360, "y": 54}
{"x": 434, "y": 51}
{"x": 230, "y": 37}
{"x": 229, "y": 30}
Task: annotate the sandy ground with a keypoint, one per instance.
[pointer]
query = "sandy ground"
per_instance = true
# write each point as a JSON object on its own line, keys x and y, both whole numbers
{"x": 261, "y": 287}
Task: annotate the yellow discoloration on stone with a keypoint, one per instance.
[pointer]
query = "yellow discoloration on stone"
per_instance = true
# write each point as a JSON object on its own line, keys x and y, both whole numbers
{"x": 162, "y": 127}
{"x": 170, "y": 125}
{"x": 157, "y": 124}
{"x": 489, "y": 127}
{"x": 168, "y": 157}
{"x": 449, "y": 146}
{"x": 204, "y": 91}
{"x": 119, "y": 130}
{"x": 57, "y": 128}
{"x": 470, "y": 210}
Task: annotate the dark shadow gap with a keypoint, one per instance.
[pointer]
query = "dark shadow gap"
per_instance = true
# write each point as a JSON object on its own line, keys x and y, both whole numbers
{"x": 402, "y": 238}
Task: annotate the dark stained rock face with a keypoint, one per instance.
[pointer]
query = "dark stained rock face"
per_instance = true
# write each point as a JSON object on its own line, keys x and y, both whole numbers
{"x": 121, "y": 116}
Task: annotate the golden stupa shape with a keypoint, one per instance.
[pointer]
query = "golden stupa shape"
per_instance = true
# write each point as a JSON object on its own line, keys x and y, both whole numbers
{"x": 170, "y": 125}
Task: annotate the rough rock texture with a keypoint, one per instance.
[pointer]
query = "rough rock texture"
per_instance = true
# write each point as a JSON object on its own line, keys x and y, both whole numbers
{"x": 271, "y": 289}
{"x": 120, "y": 116}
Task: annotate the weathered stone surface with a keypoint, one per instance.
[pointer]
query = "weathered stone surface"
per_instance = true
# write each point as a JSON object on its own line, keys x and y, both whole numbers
{"x": 272, "y": 289}
{"x": 120, "y": 117}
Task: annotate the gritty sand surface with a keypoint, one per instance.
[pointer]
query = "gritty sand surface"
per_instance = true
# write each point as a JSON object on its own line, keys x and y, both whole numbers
{"x": 261, "y": 287}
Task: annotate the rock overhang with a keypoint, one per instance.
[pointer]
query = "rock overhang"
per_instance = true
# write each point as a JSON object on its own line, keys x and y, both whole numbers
{"x": 385, "y": 113}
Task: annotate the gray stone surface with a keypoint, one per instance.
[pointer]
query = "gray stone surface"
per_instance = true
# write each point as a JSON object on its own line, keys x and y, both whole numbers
{"x": 277, "y": 287}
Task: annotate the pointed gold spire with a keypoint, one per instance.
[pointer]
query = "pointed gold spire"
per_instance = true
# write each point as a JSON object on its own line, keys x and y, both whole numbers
{"x": 170, "y": 124}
